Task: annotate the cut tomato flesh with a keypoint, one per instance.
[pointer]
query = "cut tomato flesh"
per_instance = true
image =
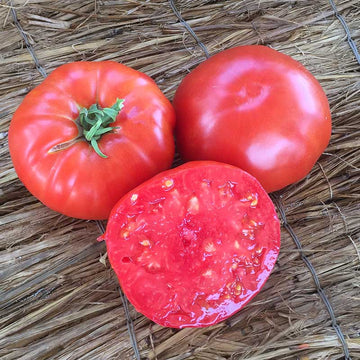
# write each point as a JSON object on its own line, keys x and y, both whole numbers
{"x": 194, "y": 244}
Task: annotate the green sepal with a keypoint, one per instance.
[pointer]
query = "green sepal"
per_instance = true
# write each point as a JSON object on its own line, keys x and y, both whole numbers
{"x": 94, "y": 122}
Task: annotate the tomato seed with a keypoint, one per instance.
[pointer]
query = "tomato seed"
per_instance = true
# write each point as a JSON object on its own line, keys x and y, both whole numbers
{"x": 253, "y": 198}
{"x": 145, "y": 243}
{"x": 238, "y": 289}
{"x": 254, "y": 203}
{"x": 134, "y": 197}
{"x": 253, "y": 223}
{"x": 168, "y": 184}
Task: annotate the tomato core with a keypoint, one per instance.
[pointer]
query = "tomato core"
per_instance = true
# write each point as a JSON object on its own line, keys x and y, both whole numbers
{"x": 93, "y": 122}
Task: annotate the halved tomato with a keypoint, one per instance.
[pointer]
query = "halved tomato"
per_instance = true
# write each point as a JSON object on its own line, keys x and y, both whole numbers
{"x": 194, "y": 244}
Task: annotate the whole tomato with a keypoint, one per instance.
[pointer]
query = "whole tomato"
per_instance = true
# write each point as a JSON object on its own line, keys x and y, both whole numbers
{"x": 89, "y": 133}
{"x": 256, "y": 108}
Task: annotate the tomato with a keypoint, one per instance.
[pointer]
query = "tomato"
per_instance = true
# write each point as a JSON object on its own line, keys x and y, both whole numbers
{"x": 255, "y": 108}
{"x": 89, "y": 133}
{"x": 194, "y": 244}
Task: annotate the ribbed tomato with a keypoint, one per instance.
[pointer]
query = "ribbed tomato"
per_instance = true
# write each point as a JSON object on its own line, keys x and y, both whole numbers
{"x": 194, "y": 244}
{"x": 89, "y": 133}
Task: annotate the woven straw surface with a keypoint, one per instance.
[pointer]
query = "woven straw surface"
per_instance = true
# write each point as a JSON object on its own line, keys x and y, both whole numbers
{"x": 59, "y": 297}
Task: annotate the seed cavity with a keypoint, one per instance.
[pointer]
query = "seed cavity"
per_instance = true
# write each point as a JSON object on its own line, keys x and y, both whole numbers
{"x": 131, "y": 227}
{"x": 250, "y": 227}
{"x": 209, "y": 247}
{"x": 153, "y": 267}
{"x": 127, "y": 259}
{"x": 234, "y": 288}
{"x": 156, "y": 206}
{"x": 203, "y": 303}
{"x": 227, "y": 189}
{"x": 252, "y": 198}
{"x": 248, "y": 233}
{"x": 188, "y": 236}
{"x": 253, "y": 223}
{"x": 248, "y": 262}
{"x": 193, "y": 205}
{"x": 206, "y": 182}
{"x": 208, "y": 273}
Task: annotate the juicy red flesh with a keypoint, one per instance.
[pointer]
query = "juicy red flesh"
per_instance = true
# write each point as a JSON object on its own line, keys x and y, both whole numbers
{"x": 194, "y": 244}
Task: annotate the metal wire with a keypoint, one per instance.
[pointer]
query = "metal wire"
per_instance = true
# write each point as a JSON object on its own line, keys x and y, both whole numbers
{"x": 129, "y": 322}
{"x": 347, "y": 31}
{"x": 315, "y": 277}
{"x": 130, "y": 325}
{"x": 26, "y": 40}
{"x": 188, "y": 28}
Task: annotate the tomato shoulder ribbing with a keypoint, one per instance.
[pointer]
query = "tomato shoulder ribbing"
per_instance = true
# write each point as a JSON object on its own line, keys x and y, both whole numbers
{"x": 71, "y": 138}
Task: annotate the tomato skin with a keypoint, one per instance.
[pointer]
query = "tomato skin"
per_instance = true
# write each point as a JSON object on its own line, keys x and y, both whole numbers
{"x": 255, "y": 108}
{"x": 194, "y": 244}
{"x": 76, "y": 181}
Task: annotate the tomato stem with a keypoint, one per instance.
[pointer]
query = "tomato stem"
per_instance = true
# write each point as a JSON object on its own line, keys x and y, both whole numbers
{"x": 95, "y": 122}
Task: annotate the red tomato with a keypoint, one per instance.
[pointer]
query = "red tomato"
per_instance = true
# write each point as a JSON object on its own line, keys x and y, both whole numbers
{"x": 194, "y": 244}
{"x": 85, "y": 178}
{"x": 256, "y": 108}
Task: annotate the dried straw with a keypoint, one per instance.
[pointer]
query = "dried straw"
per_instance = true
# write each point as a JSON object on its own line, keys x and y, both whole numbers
{"x": 59, "y": 297}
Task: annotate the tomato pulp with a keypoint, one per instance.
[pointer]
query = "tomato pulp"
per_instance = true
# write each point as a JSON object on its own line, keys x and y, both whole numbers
{"x": 256, "y": 108}
{"x": 89, "y": 133}
{"x": 194, "y": 244}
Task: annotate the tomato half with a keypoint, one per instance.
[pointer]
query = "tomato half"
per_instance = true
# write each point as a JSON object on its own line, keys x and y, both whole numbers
{"x": 256, "y": 108}
{"x": 77, "y": 150}
{"x": 194, "y": 244}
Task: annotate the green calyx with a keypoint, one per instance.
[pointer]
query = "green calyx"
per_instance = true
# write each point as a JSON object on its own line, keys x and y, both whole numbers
{"x": 95, "y": 122}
